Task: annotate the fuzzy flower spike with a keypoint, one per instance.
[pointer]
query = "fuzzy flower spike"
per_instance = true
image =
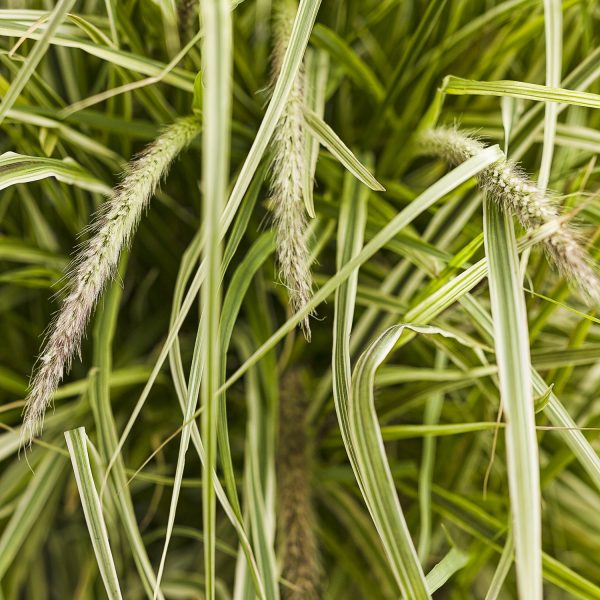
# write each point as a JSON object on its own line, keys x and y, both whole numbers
{"x": 300, "y": 565}
{"x": 510, "y": 187}
{"x": 95, "y": 264}
{"x": 287, "y": 174}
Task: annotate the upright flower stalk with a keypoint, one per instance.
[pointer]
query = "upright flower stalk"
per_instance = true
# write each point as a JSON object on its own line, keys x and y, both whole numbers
{"x": 95, "y": 264}
{"x": 534, "y": 208}
{"x": 300, "y": 567}
{"x": 287, "y": 175}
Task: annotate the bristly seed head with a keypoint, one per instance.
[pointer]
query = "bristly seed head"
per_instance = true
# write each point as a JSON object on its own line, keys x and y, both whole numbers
{"x": 534, "y": 208}
{"x": 300, "y": 566}
{"x": 95, "y": 264}
{"x": 287, "y": 175}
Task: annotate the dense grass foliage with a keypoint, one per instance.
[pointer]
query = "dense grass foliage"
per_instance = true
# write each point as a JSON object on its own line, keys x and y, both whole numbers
{"x": 331, "y": 319}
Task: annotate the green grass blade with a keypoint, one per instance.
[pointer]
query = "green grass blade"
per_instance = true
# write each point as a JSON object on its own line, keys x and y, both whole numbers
{"x": 514, "y": 369}
{"x": 18, "y": 168}
{"x": 351, "y": 225}
{"x": 519, "y": 89}
{"x": 454, "y": 561}
{"x": 217, "y": 60}
{"x": 553, "y": 23}
{"x": 328, "y": 138}
{"x": 326, "y": 39}
{"x": 558, "y": 415}
{"x": 249, "y": 558}
{"x": 236, "y": 292}
{"x": 100, "y": 402}
{"x": 191, "y": 401}
{"x": 470, "y": 517}
{"x": 575, "y": 439}
{"x": 128, "y": 60}
{"x": 374, "y": 472}
{"x": 262, "y": 248}
{"x": 580, "y": 78}
{"x": 501, "y": 572}
{"x": 373, "y": 468}
{"x": 26, "y": 115}
{"x": 92, "y": 509}
{"x": 417, "y": 41}
{"x": 34, "y": 57}
{"x": 403, "y": 432}
{"x": 433, "y": 409}
{"x": 316, "y": 71}
{"x": 262, "y": 520}
{"x": 30, "y": 505}
{"x": 231, "y": 305}
{"x": 12, "y": 249}
{"x": 240, "y": 281}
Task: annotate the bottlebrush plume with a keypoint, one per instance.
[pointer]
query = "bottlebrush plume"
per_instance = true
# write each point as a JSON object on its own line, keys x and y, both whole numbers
{"x": 95, "y": 264}
{"x": 287, "y": 175}
{"x": 506, "y": 183}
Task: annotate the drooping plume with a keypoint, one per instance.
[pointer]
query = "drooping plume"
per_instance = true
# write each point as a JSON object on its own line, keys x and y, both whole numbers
{"x": 287, "y": 175}
{"x": 95, "y": 263}
{"x": 300, "y": 567}
{"x": 508, "y": 185}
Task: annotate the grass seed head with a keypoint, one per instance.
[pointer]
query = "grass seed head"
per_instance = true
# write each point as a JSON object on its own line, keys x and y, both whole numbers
{"x": 300, "y": 564}
{"x": 95, "y": 264}
{"x": 287, "y": 175}
{"x": 508, "y": 185}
